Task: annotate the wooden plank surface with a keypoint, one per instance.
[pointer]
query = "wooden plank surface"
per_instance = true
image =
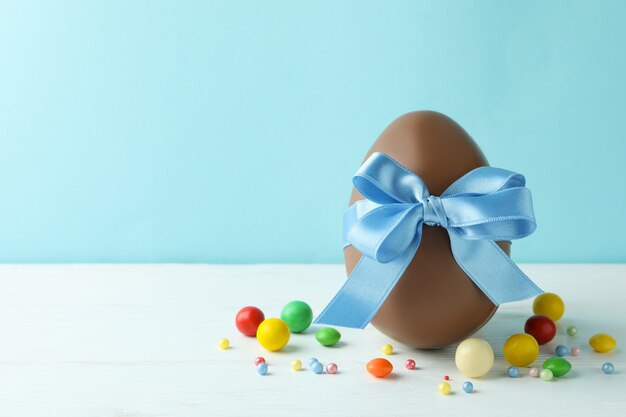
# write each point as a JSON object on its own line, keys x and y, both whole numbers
{"x": 140, "y": 340}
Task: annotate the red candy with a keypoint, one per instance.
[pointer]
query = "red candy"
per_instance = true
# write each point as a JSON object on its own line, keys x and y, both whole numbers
{"x": 259, "y": 360}
{"x": 542, "y": 328}
{"x": 409, "y": 364}
{"x": 447, "y": 378}
{"x": 248, "y": 320}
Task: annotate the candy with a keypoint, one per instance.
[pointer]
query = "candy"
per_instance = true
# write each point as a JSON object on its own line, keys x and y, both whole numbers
{"x": 546, "y": 375}
{"x": 311, "y": 361}
{"x": 513, "y": 371}
{"x": 572, "y": 331}
{"x": 328, "y": 336}
{"x": 608, "y": 368}
{"x": 262, "y": 368}
{"x": 298, "y": 316}
{"x": 387, "y": 349}
{"x": 317, "y": 368}
{"x": 602, "y": 342}
{"x": 549, "y": 304}
{"x": 521, "y": 349}
{"x": 248, "y": 319}
{"x": 561, "y": 350}
{"x": 468, "y": 387}
{"x": 474, "y": 357}
{"x": 541, "y": 328}
{"x": 259, "y": 360}
{"x": 409, "y": 364}
{"x": 447, "y": 378}
{"x": 224, "y": 343}
{"x": 296, "y": 365}
{"x": 558, "y": 366}
{"x": 575, "y": 351}
{"x": 534, "y": 372}
{"x": 444, "y": 388}
{"x": 273, "y": 334}
{"x": 331, "y": 368}
{"x": 379, "y": 367}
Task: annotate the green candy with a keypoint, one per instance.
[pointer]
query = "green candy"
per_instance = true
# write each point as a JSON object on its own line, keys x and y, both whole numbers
{"x": 298, "y": 316}
{"x": 558, "y": 366}
{"x": 328, "y": 336}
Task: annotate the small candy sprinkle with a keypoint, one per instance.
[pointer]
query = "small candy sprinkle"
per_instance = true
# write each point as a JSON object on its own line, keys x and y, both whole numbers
{"x": 317, "y": 368}
{"x": 546, "y": 375}
{"x": 575, "y": 351}
{"x": 331, "y": 368}
{"x": 387, "y": 349}
{"x": 409, "y": 364}
{"x": 468, "y": 387}
{"x": 572, "y": 331}
{"x": 296, "y": 365}
{"x": 311, "y": 361}
{"x": 259, "y": 360}
{"x": 608, "y": 368}
{"x": 262, "y": 368}
{"x": 561, "y": 350}
{"x": 513, "y": 371}
{"x": 444, "y": 388}
{"x": 534, "y": 372}
{"x": 447, "y": 378}
{"x": 224, "y": 343}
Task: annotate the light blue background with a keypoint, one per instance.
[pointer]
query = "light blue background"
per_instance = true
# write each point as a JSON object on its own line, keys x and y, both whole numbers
{"x": 142, "y": 131}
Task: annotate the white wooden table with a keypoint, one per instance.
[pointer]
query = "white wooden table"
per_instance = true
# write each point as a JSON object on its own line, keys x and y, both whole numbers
{"x": 141, "y": 340}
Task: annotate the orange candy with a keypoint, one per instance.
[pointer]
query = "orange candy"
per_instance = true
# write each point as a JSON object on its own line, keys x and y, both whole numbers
{"x": 379, "y": 367}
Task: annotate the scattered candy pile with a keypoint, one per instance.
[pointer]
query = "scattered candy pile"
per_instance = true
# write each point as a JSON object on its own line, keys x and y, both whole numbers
{"x": 474, "y": 357}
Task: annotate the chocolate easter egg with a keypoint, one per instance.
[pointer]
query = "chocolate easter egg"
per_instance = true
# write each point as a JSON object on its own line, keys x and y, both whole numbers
{"x": 434, "y": 303}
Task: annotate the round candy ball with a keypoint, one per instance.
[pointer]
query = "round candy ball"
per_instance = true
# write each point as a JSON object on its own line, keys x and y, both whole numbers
{"x": 474, "y": 357}
{"x": 331, "y": 368}
{"x": 311, "y": 361}
{"x": 572, "y": 331}
{"x": 608, "y": 368}
{"x": 468, "y": 387}
{"x": 444, "y": 388}
{"x": 541, "y": 328}
{"x": 549, "y": 304}
{"x": 262, "y": 368}
{"x": 387, "y": 349}
{"x": 409, "y": 364}
{"x": 223, "y": 344}
{"x": 561, "y": 350}
{"x": 534, "y": 372}
{"x": 546, "y": 375}
{"x": 248, "y": 319}
{"x": 379, "y": 367}
{"x": 513, "y": 371}
{"x": 296, "y": 365}
{"x": 521, "y": 349}
{"x": 298, "y": 316}
{"x": 259, "y": 360}
{"x": 602, "y": 342}
{"x": 317, "y": 368}
{"x": 328, "y": 336}
{"x": 273, "y": 334}
{"x": 575, "y": 351}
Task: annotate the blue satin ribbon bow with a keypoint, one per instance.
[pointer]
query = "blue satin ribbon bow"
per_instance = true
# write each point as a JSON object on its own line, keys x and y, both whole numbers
{"x": 485, "y": 205}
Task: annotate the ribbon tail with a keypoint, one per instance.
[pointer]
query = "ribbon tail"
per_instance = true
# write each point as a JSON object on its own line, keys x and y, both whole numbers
{"x": 492, "y": 270}
{"x": 366, "y": 289}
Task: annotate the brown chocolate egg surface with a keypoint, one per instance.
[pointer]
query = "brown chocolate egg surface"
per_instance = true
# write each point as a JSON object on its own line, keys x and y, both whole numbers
{"x": 434, "y": 303}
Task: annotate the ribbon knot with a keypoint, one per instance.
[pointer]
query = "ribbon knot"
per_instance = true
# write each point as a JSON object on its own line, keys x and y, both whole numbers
{"x": 485, "y": 205}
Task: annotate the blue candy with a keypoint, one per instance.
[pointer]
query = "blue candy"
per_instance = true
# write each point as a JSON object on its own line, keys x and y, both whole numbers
{"x": 262, "y": 368}
{"x": 513, "y": 371}
{"x": 468, "y": 387}
{"x": 561, "y": 350}
{"x": 317, "y": 367}
{"x": 311, "y": 361}
{"x": 608, "y": 368}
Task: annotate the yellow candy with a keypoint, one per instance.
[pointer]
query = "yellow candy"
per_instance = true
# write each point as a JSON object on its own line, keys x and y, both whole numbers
{"x": 273, "y": 334}
{"x": 296, "y": 365}
{"x": 474, "y": 357}
{"x": 521, "y": 349}
{"x": 549, "y": 304}
{"x": 602, "y": 342}
{"x": 223, "y": 343}
{"x": 444, "y": 388}
{"x": 387, "y": 349}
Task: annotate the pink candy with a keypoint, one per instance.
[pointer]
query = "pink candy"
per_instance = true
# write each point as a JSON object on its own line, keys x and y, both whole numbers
{"x": 575, "y": 351}
{"x": 331, "y": 368}
{"x": 259, "y": 360}
{"x": 409, "y": 364}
